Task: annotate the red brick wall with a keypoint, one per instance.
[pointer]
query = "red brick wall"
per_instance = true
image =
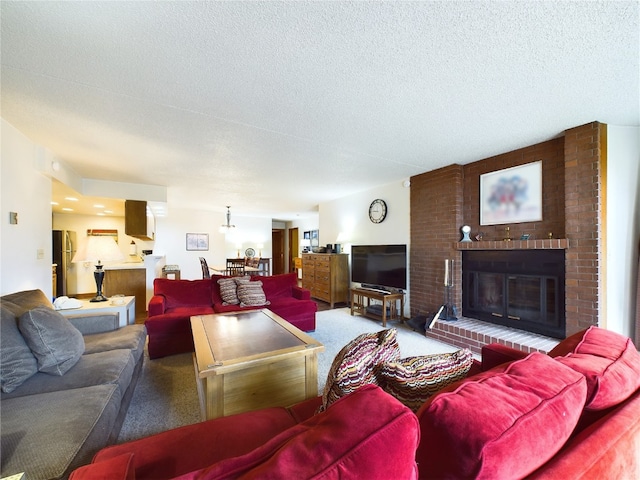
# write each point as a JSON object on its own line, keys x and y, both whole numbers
{"x": 445, "y": 199}
{"x": 583, "y": 220}
{"x": 551, "y": 154}
{"x": 436, "y": 216}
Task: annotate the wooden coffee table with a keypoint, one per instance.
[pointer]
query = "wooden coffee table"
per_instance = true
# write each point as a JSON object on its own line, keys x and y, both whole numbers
{"x": 250, "y": 360}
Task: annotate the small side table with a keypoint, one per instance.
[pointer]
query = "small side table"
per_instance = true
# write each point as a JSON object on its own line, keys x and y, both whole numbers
{"x": 388, "y": 308}
{"x": 126, "y": 311}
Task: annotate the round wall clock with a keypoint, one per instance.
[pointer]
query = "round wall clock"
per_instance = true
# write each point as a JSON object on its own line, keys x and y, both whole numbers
{"x": 249, "y": 252}
{"x": 377, "y": 210}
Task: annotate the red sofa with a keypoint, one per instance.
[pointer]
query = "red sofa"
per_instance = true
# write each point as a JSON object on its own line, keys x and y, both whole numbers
{"x": 368, "y": 434}
{"x": 572, "y": 414}
{"x": 175, "y": 301}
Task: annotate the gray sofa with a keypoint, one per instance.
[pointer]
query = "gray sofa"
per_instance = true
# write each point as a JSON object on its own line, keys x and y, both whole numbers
{"x": 66, "y": 384}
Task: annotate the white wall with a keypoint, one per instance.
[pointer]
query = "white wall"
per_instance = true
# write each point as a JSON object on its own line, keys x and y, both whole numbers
{"x": 346, "y": 221}
{"x": 623, "y": 227}
{"x": 25, "y": 248}
{"x": 171, "y": 238}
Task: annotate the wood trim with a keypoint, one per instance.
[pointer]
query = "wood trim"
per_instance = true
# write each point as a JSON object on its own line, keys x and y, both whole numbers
{"x": 637, "y": 342}
{"x": 602, "y": 234}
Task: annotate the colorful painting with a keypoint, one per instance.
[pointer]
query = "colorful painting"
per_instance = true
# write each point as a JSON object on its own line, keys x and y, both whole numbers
{"x": 512, "y": 195}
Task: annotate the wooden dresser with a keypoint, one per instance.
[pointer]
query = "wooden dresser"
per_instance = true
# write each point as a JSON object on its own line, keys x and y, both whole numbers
{"x": 326, "y": 275}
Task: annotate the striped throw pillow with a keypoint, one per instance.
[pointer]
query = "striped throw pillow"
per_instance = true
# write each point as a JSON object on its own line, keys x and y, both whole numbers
{"x": 357, "y": 364}
{"x": 228, "y": 291}
{"x": 413, "y": 380}
{"x": 251, "y": 294}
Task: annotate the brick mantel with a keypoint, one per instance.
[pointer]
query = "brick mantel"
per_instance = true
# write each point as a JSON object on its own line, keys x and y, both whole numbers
{"x": 547, "y": 244}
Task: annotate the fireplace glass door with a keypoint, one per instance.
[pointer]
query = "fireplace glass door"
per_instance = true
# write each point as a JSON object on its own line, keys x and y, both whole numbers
{"x": 532, "y": 298}
{"x": 488, "y": 291}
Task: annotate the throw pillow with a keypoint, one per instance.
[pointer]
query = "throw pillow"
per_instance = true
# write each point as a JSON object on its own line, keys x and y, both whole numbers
{"x": 413, "y": 380}
{"x": 358, "y": 362}
{"x": 55, "y": 342}
{"x": 228, "y": 291}
{"x": 366, "y": 435}
{"x": 504, "y": 423}
{"x": 251, "y": 294}
{"x": 25, "y": 300}
{"x": 17, "y": 363}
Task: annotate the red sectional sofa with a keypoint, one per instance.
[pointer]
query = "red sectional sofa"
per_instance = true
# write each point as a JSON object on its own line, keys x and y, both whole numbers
{"x": 368, "y": 434}
{"x": 175, "y": 301}
{"x": 574, "y": 413}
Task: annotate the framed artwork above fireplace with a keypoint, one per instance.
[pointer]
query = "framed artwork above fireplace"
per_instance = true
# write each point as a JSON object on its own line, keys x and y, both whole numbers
{"x": 512, "y": 195}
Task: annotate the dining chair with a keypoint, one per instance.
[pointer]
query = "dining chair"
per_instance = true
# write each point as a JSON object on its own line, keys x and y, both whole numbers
{"x": 252, "y": 262}
{"x": 252, "y": 265}
{"x": 235, "y": 267}
{"x": 205, "y": 268}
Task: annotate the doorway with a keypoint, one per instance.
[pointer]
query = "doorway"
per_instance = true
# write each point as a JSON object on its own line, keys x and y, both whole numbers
{"x": 277, "y": 241}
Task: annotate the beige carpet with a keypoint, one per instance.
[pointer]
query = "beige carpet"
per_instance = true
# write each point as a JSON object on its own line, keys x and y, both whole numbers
{"x": 166, "y": 394}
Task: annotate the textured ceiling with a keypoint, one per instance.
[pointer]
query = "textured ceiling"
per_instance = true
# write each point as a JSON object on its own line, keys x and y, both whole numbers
{"x": 274, "y": 107}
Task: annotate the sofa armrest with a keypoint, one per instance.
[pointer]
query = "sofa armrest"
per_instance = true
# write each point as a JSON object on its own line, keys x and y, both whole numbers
{"x": 496, "y": 354}
{"x": 606, "y": 449}
{"x": 90, "y": 324}
{"x": 156, "y": 305}
{"x": 300, "y": 293}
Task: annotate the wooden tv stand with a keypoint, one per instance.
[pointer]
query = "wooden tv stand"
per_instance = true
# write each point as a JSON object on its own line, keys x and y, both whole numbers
{"x": 388, "y": 304}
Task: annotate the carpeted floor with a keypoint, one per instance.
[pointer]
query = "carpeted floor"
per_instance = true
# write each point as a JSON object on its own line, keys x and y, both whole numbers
{"x": 166, "y": 395}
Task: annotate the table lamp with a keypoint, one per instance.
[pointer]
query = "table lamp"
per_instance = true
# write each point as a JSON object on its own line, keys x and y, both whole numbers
{"x": 98, "y": 249}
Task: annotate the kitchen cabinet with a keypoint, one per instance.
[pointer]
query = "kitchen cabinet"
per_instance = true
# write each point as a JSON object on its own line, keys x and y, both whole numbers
{"x": 326, "y": 275}
{"x": 138, "y": 220}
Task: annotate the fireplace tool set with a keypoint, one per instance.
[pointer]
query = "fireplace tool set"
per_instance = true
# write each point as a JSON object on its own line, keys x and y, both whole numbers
{"x": 448, "y": 310}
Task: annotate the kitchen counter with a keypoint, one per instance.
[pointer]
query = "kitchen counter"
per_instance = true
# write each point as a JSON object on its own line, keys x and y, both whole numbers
{"x": 134, "y": 278}
{"x": 124, "y": 266}
{"x": 129, "y": 281}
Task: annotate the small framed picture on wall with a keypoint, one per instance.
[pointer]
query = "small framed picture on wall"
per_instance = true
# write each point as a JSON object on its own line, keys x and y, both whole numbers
{"x": 198, "y": 241}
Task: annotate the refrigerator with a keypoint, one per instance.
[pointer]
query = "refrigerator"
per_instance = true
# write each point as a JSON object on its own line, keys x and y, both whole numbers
{"x": 64, "y": 248}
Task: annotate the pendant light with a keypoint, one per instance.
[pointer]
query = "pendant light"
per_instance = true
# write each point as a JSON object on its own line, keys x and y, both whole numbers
{"x": 228, "y": 227}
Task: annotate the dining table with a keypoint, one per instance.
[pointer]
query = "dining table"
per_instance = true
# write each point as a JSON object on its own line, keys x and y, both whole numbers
{"x": 222, "y": 270}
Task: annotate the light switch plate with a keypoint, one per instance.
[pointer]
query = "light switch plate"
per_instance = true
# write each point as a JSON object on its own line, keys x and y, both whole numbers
{"x": 13, "y": 218}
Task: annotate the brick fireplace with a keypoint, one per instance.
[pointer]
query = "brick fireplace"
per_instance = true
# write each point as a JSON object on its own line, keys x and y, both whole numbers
{"x": 445, "y": 199}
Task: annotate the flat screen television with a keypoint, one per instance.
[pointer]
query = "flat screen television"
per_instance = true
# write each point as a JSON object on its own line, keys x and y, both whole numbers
{"x": 379, "y": 266}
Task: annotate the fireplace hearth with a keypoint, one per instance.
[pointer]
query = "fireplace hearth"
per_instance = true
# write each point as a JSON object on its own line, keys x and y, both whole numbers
{"x": 523, "y": 289}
